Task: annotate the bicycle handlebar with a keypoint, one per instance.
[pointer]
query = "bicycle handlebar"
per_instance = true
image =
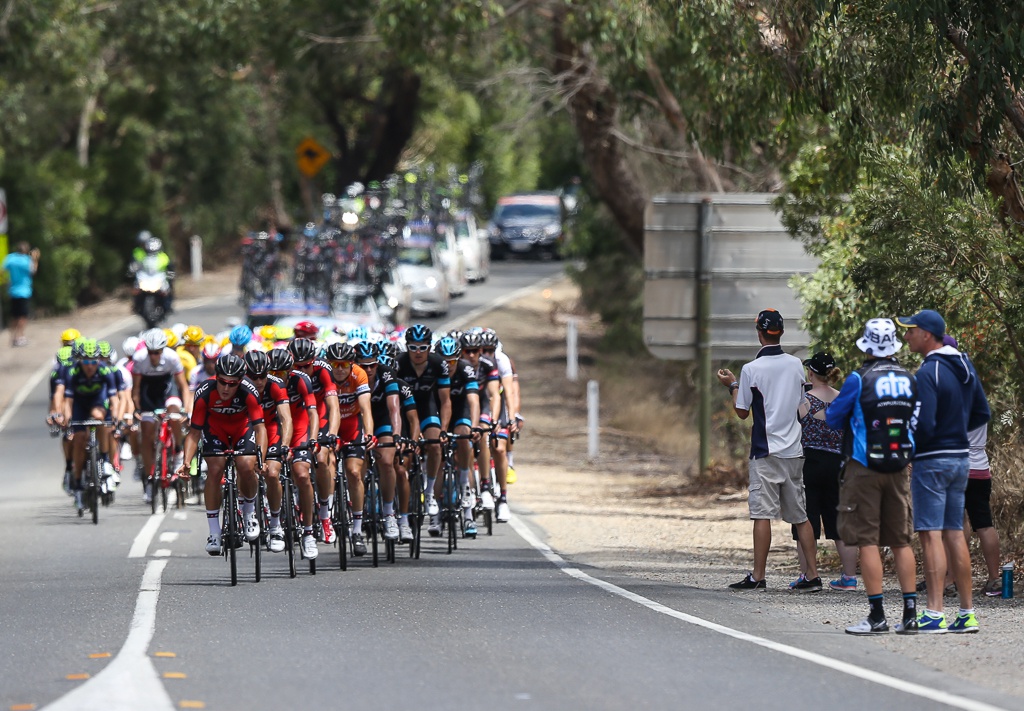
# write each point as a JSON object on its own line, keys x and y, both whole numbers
{"x": 89, "y": 423}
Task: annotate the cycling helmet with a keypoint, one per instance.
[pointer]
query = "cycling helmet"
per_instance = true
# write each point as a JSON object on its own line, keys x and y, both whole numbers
{"x": 280, "y": 360}
{"x": 366, "y": 351}
{"x": 172, "y": 339}
{"x": 240, "y": 336}
{"x": 358, "y": 333}
{"x": 66, "y": 355}
{"x": 256, "y": 363}
{"x": 456, "y": 334}
{"x": 418, "y": 333}
{"x": 153, "y": 245}
{"x": 143, "y": 237}
{"x": 69, "y": 336}
{"x": 310, "y": 230}
{"x": 387, "y": 348}
{"x": 130, "y": 345}
{"x": 230, "y": 366}
{"x": 489, "y": 339}
{"x": 179, "y": 330}
{"x": 306, "y": 329}
{"x": 105, "y": 350}
{"x": 155, "y": 339}
{"x": 211, "y": 351}
{"x": 386, "y": 361}
{"x": 471, "y": 340}
{"x": 268, "y": 333}
{"x": 340, "y": 351}
{"x": 448, "y": 348}
{"x": 303, "y": 350}
{"x": 194, "y": 336}
{"x": 87, "y": 348}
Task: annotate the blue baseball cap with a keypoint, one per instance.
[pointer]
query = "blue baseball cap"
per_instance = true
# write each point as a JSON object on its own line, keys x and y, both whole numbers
{"x": 926, "y": 320}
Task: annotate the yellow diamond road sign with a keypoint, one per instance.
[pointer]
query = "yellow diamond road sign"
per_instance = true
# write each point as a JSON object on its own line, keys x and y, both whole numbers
{"x": 311, "y": 157}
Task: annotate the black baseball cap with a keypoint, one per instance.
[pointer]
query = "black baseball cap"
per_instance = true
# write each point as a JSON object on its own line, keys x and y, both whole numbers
{"x": 770, "y": 321}
{"x": 821, "y": 363}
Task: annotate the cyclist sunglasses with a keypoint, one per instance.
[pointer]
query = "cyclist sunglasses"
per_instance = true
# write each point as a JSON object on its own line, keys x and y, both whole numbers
{"x": 419, "y": 349}
{"x": 340, "y": 363}
{"x": 471, "y": 351}
{"x": 90, "y": 361}
{"x": 228, "y": 383}
{"x": 373, "y": 364}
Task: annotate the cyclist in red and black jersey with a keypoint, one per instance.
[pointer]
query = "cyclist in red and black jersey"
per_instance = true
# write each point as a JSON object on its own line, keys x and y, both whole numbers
{"x": 302, "y": 403}
{"x": 228, "y": 415}
{"x": 277, "y": 417}
{"x": 303, "y": 351}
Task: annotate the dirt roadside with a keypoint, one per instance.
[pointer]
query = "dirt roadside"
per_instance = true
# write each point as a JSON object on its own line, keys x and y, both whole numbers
{"x": 619, "y": 513}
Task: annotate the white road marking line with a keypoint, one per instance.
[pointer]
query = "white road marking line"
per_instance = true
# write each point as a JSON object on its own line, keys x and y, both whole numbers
{"x": 162, "y": 553}
{"x": 180, "y": 515}
{"x": 130, "y": 681}
{"x": 908, "y": 687}
{"x": 141, "y": 543}
{"x": 169, "y": 536}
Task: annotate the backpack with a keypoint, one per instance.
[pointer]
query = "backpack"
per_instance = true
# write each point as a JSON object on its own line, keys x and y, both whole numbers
{"x": 888, "y": 398}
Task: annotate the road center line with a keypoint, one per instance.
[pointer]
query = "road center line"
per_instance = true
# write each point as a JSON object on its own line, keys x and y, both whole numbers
{"x": 130, "y": 681}
{"x": 142, "y": 540}
{"x": 821, "y": 660}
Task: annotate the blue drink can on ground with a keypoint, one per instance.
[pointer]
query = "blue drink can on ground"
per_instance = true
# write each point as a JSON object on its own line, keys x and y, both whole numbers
{"x": 1007, "y": 570}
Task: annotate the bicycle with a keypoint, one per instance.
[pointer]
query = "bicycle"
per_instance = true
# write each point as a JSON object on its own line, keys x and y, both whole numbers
{"x": 289, "y": 515}
{"x": 163, "y": 462}
{"x": 91, "y": 474}
{"x": 415, "y": 472}
{"x": 232, "y": 525}
{"x": 373, "y": 508}
{"x": 341, "y": 511}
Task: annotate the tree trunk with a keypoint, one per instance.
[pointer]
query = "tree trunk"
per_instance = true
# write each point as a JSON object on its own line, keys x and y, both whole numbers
{"x": 593, "y": 106}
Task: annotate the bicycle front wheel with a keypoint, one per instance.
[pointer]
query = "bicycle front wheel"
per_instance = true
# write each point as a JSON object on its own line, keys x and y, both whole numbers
{"x": 92, "y": 488}
{"x": 340, "y": 517}
{"x": 231, "y": 529}
{"x": 288, "y": 522}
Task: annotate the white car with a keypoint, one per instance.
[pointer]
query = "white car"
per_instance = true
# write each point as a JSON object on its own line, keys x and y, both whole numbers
{"x": 451, "y": 259}
{"x": 419, "y": 266}
{"x": 396, "y": 297}
{"x": 475, "y": 246}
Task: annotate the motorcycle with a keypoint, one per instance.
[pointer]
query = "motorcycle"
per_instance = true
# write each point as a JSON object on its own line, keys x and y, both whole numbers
{"x": 151, "y": 291}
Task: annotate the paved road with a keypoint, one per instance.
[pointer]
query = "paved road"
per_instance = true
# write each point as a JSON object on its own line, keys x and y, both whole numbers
{"x": 499, "y": 624}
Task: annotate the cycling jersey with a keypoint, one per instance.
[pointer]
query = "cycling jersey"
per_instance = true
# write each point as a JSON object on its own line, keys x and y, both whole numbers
{"x": 88, "y": 391}
{"x": 350, "y": 389}
{"x": 227, "y": 424}
{"x": 323, "y": 387}
{"x": 58, "y": 376}
{"x": 425, "y": 385}
{"x": 463, "y": 383}
{"x": 384, "y": 385}
{"x": 274, "y": 394}
{"x": 301, "y": 400}
{"x": 156, "y": 381}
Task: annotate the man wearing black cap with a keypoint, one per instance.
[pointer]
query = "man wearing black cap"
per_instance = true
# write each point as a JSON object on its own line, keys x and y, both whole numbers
{"x": 951, "y": 402}
{"x": 771, "y": 387}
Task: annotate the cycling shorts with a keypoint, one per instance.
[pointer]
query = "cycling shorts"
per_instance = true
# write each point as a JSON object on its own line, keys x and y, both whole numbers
{"x": 148, "y": 414}
{"x": 427, "y": 410}
{"x": 351, "y": 430}
{"x": 216, "y": 441}
{"x": 82, "y": 410}
{"x": 460, "y": 413}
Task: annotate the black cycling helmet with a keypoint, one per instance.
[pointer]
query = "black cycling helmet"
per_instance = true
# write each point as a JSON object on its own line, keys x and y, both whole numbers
{"x": 257, "y": 363}
{"x": 386, "y": 361}
{"x": 418, "y": 333}
{"x": 365, "y": 351}
{"x": 340, "y": 351}
{"x": 388, "y": 348}
{"x": 303, "y": 350}
{"x": 471, "y": 340}
{"x": 280, "y": 360}
{"x": 448, "y": 348}
{"x": 230, "y": 366}
{"x": 489, "y": 339}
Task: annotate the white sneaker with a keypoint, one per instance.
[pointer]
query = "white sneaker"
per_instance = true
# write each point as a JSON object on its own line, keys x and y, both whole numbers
{"x": 502, "y": 515}
{"x": 114, "y": 479}
{"x": 213, "y": 546}
{"x": 434, "y": 529}
{"x": 309, "y": 549}
{"x": 432, "y": 509}
{"x": 405, "y": 533}
{"x": 252, "y": 527}
{"x": 390, "y": 528}
{"x": 147, "y": 496}
{"x": 276, "y": 539}
{"x": 487, "y": 500}
{"x": 468, "y": 498}
{"x": 126, "y": 452}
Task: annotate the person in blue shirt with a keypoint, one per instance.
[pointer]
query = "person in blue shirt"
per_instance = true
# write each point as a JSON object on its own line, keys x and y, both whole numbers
{"x": 21, "y": 265}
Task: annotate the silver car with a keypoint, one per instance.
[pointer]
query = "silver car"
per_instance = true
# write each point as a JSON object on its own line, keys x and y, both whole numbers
{"x": 476, "y": 248}
{"x": 419, "y": 266}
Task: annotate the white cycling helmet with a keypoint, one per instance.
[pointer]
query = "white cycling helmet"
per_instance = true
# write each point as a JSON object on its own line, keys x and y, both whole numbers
{"x": 178, "y": 330}
{"x": 130, "y": 345}
{"x": 155, "y": 339}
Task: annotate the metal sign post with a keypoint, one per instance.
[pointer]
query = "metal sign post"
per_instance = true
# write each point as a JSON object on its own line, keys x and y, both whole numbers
{"x": 704, "y": 332}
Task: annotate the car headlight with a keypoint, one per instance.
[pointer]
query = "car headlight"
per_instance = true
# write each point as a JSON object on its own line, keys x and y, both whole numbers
{"x": 393, "y": 302}
{"x": 431, "y": 282}
{"x": 552, "y": 230}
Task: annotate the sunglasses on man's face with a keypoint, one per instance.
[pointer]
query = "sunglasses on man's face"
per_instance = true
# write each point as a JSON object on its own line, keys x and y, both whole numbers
{"x": 258, "y": 377}
{"x": 341, "y": 364}
{"x": 471, "y": 351}
{"x": 419, "y": 349}
{"x": 228, "y": 383}
{"x": 91, "y": 361}
{"x": 364, "y": 366}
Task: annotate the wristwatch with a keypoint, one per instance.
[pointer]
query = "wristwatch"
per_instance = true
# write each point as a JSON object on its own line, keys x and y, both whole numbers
{"x": 733, "y": 386}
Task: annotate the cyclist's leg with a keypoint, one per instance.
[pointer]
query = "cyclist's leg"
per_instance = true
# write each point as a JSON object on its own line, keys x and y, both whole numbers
{"x": 354, "y": 474}
{"x": 433, "y": 465}
{"x": 464, "y": 461}
{"x": 147, "y": 438}
{"x": 272, "y": 476}
{"x": 325, "y": 481}
{"x": 301, "y": 465}
{"x": 214, "y": 473}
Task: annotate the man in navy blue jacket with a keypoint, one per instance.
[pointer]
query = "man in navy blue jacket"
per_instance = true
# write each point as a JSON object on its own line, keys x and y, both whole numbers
{"x": 951, "y": 401}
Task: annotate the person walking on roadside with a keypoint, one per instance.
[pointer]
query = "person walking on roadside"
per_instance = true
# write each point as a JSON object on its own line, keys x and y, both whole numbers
{"x": 875, "y": 408}
{"x": 951, "y": 403}
{"x": 21, "y": 265}
{"x": 823, "y": 460}
{"x": 771, "y": 387}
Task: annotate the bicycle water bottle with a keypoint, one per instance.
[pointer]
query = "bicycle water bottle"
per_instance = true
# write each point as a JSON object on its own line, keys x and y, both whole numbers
{"x": 1007, "y": 580}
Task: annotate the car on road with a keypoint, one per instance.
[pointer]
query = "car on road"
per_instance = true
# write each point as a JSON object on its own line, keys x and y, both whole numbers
{"x": 528, "y": 224}
{"x": 419, "y": 266}
{"x": 476, "y": 248}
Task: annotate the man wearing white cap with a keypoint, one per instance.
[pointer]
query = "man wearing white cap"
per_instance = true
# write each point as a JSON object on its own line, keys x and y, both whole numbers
{"x": 875, "y": 407}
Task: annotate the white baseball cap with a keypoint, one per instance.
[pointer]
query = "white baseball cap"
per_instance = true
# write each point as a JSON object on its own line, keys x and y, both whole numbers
{"x": 879, "y": 338}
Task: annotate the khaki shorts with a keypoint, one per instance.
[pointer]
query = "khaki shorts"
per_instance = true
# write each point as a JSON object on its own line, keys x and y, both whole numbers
{"x": 874, "y": 508}
{"x": 777, "y": 488}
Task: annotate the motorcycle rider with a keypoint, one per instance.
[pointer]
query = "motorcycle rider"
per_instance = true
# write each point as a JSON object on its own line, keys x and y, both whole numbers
{"x": 152, "y": 248}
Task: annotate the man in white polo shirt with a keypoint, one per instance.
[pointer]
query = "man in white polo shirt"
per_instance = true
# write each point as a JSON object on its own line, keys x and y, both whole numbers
{"x": 771, "y": 388}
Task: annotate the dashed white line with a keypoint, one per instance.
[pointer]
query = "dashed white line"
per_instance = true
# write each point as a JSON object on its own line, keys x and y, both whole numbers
{"x": 907, "y": 687}
{"x": 169, "y": 536}
{"x": 141, "y": 543}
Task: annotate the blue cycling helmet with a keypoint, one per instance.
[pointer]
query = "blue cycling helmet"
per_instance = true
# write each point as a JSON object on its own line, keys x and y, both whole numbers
{"x": 418, "y": 333}
{"x": 240, "y": 336}
{"x": 386, "y": 361}
{"x": 358, "y": 333}
{"x": 366, "y": 351}
{"x": 448, "y": 348}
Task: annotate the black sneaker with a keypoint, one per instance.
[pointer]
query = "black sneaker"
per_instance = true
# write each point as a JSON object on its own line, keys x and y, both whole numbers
{"x": 748, "y": 583}
{"x": 908, "y": 626}
{"x": 807, "y": 586}
{"x": 868, "y": 627}
{"x": 358, "y": 545}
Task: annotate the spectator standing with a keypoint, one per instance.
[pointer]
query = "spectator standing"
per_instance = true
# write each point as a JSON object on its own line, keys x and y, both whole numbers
{"x": 951, "y": 403}
{"x": 876, "y": 407}
{"x": 823, "y": 460}
{"x": 21, "y": 265}
{"x": 771, "y": 387}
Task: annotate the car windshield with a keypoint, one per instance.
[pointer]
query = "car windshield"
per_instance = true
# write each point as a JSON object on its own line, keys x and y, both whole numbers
{"x": 526, "y": 211}
{"x": 416, "y": 256}
{"x": 461, "y": 229}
